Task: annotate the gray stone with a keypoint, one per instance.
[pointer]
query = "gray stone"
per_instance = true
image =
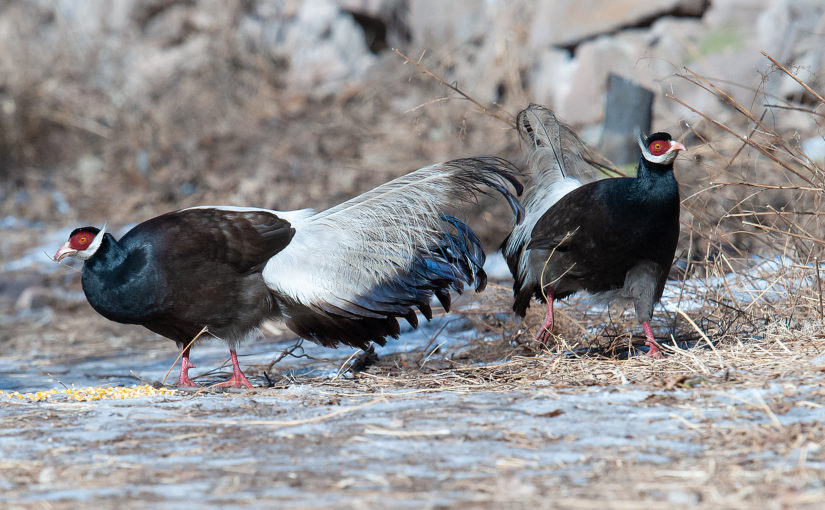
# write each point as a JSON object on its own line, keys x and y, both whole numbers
{"x": 370, "y": 7}
{"x": 790, "y": 31}
{"x": 434, "y": 22}
{"x": 583, "y": 102}
{"x": 628, "y": 111}
{"x": 551, "y": 78}
{"x": 321, "y": 46}
{"x": 569, "y": 22}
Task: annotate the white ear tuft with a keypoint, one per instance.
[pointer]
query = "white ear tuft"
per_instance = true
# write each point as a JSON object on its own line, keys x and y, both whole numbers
{"x": 640, "y": 139}
{"x": 92, "y": 249}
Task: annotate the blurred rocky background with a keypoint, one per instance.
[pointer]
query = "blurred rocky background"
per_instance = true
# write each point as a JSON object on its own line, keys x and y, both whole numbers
{"x": 119, "y": 110}
{"x": 122, "y": 109}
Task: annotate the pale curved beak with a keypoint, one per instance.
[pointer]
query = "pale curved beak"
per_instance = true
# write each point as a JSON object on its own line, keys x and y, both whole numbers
{"x": 676, "y": 146}
{"x": 64, "y": 252}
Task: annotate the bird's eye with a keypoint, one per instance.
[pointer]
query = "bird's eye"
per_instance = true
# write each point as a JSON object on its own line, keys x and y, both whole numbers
{"x": 81, "y": 240}
{"x": 658, "y": 147}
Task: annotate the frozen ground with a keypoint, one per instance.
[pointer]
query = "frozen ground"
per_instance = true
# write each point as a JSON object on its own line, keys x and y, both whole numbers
{"x": 314, "y": 447}
{"x": 451, "y": 415}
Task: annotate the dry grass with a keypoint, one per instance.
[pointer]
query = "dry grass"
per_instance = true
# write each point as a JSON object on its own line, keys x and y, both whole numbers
{"x": 509, "y": 360}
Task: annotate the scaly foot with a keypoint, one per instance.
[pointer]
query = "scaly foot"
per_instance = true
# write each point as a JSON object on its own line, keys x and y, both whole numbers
{"x": 653, "y": 348}
{"x": 238, "y": 379}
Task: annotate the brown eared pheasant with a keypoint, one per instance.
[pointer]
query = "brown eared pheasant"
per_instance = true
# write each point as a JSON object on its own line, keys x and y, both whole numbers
{"x": 341, "y": 276}
{"x": 614, "y": 238}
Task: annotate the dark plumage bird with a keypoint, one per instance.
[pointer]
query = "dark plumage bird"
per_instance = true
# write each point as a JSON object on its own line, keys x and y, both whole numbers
{"x": 341, "y": 276}
{"x": 613, "y": 237}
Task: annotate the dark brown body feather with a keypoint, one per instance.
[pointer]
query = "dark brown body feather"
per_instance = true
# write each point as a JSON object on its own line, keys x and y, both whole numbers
{"x": 176, "y": 273}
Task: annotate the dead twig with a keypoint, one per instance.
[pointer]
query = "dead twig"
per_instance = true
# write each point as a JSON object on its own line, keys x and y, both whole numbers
{"x": 507, "y": 119}
{"x": 202, "y": 331}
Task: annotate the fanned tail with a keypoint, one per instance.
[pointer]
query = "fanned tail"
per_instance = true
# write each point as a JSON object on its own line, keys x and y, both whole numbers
{"x": 554, "y": 159}
{"x": 554, "y": 151}
{"x": 354, "y": 269}
{"x": 557, "y": 163}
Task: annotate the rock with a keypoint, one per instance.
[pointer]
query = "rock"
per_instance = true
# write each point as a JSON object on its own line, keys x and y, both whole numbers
{"x": 628, "y": 110}
{"x": 575, "y": 87}
{"x": 734, "y": 12}
{"x": 551, "y": 78}
{"x": 91, "y": 19}
{"x": 594, "y": 60}
{"x": 327, "y": 49}
{"x": 434, "y": 23}
{"x": 569, "y": 22}
{"x": 322, "y": 47}
{"x": 789, "y": 32}
{"x": 369, "y": 7}
{"x": 169, "y": 28}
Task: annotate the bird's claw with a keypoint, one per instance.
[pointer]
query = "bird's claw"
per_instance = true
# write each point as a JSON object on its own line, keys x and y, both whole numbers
{"x": 185, "y": 382}
{"x": 236, "y": 381}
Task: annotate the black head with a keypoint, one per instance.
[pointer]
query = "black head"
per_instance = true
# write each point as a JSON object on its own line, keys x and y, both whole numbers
{"x": 659, "y": 148}
{"x": 92, "y": 230}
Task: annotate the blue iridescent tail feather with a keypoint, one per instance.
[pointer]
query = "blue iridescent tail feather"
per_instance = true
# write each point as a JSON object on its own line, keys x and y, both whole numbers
{"x": 454, "y": 262}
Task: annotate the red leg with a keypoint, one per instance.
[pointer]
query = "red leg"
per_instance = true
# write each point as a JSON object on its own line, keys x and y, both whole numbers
{"x": 238, "y": 380}
{"x": 185, "y": 365}
{"x": 544, "y": 333}
{"x": 653, "y": 347}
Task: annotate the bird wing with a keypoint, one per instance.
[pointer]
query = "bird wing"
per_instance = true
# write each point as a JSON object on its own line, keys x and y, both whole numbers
{"x": 350, "y": 270}
{"x": 561, "y": 227}
{"x": 601, "y": 240}
{"x": 244, "y": 238}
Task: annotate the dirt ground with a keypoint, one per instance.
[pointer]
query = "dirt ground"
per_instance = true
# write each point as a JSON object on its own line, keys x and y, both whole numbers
{"x": 465, "y": 412}
{"x": 316, "y": 445}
